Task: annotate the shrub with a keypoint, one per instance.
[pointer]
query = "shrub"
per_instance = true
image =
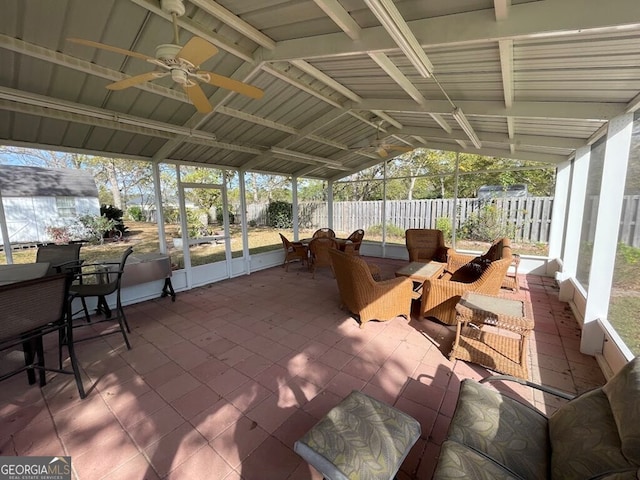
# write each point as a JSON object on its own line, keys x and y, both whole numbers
{"x": 59, "y": 235}
{"x": 444, "y": 224}
{"x": 280, "y": 214}
{"x": 486, "y": 224}
{"x": 136, "y": 214}
{"x": 220, "y": 220}
{"x": 170, "y": 214}
{"x": 113, "y": 213}
{"x": 96, "y": 227}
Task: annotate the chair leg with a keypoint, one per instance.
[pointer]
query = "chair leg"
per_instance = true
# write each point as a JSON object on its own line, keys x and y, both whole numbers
{"x": 68, "y": 328}
{"x": 42, "y": 374}
{"x": 86, "y": 310}
{"x": 27, "y": 351}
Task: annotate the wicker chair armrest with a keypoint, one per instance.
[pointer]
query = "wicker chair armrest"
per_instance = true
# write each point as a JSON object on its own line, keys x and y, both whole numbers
{"x": 536, "y": 386}
{"x": 456, "y": 260}
{"x": 385, "y": 285}
{"x": 437, "y": 291}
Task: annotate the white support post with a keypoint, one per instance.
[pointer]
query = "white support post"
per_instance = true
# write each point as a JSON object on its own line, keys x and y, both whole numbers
{"x": 560, "y": 204}
{"x": 454, "y": 216}
{"x": 243, "y": 218}
{"x": 330, "y": 203}
{"x": 184, "y": 229}
{"x": 573, "y": 228}
{"x": 606, "y": 233}
{"x": 5, "y": 233}
{"x": 384, "y": 210}
{"x": 162, "y": 239}
{"x": 295, "y": 213}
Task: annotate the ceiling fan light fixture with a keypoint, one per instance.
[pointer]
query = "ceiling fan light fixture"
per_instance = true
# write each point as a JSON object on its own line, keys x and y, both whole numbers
{"x": 180, "y": 76}
{"x": 167, "y": 51}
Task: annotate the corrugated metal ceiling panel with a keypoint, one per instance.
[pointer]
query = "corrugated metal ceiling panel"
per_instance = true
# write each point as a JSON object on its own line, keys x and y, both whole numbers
{"x": 53, "y": 91}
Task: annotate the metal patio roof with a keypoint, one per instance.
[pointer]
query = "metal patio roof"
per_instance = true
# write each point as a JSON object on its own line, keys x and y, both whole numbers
{"x": 535, "y": 79}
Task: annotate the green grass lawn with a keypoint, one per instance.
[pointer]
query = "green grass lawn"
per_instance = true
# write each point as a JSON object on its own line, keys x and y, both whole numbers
{"x": 623, "y": 316}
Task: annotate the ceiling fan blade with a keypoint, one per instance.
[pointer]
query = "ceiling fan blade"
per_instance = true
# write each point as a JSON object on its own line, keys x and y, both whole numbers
{"x": 230, "y": 84}
{"x": 382, "y": 152}
{"x": 397, "y": 148}
{"x": 110, "y": 48}
{"x": 135, "y": 80}
{"x": 196, "y": 51}
{"x": 198, "y": 98}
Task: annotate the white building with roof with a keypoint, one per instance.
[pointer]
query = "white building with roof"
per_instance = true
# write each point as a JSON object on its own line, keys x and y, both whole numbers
{"x": 34, "y": 198}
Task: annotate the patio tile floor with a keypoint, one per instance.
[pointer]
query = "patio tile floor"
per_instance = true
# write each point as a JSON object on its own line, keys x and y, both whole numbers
{"x": 221, "y": 383}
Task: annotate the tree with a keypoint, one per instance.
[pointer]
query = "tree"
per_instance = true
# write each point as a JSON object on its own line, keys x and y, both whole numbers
{"x": 42, "y": 158}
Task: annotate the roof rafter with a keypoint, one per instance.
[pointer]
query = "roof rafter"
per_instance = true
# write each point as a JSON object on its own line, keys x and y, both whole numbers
{"x": 526, "y": 20}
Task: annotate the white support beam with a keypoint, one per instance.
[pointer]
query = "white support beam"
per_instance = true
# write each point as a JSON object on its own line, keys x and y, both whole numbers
{"x": 525, "y": 21}
{"x": 336, "y": 12}
{"x": 519, "y": 141}
{"x": 326, "y": 79}
{"x": 40, "y": 105}
{"x": 216, "y": 10}
{"x": 597, "y": 111}
{"x": 199, "y": 30}
{"x": 285, "y": 76}
{"x": 506, "y": 66}
{"x": 501, "y": 7}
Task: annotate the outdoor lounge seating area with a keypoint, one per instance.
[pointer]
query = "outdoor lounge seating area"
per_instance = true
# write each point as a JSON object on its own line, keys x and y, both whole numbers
{"x": 230, "y": 375}
{"x": 432, "y": 127}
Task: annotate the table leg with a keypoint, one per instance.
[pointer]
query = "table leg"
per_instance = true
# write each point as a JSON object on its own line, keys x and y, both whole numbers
{"x": 168, "y": 289}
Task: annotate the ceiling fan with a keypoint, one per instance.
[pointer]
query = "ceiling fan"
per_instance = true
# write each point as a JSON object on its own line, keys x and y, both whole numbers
{"x": 181, "y": 63}
{"x": 382, "y": 148}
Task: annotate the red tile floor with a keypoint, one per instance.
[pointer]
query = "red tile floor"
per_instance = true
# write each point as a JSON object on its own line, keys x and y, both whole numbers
{"x": 221, "y": 383}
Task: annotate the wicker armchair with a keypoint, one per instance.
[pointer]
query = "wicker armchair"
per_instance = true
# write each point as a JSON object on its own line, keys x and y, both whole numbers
{"x": 500, "y": 248}
{"x": 293, "y": 251}
{"x": 425, "y": 244}
{"x": 319, "y": 248}
{"x": 353, "y": 242}
{"x": 324, "y": 232}
{"x": 440, "y": 296}
{"x": 365, "y": 297}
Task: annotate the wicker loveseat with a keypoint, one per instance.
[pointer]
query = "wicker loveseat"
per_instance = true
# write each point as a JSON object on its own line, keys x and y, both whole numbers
{"x": 594, "y": 436}
{"x": 440, "y": 296}
{"x": 424, "y": 245}
{"x": 366, "y": 297}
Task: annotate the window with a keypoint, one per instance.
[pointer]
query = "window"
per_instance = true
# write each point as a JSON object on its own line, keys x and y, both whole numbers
{"x": 66, "y": 206}
{"x": 591, "y": 202}
{"x": 624, "y": 303}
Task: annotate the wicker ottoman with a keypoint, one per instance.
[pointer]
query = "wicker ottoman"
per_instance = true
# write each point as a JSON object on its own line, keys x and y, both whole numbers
{"x": 359, "y": 438}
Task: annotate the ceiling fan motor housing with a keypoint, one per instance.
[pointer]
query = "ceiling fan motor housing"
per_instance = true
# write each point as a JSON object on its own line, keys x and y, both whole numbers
{"x": 173, "y": 7}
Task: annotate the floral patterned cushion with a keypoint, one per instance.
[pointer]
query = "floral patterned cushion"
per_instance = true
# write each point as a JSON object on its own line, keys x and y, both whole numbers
{"x": 502, "y": 429}
{"x": 361, "y": 438}
{"x": 584, "y": 439}
{"x": 619, "y": 390}
{"x": 459, "y": 462}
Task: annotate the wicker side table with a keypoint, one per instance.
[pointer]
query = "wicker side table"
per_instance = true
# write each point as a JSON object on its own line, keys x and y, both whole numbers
{"x": 493, "y": 332}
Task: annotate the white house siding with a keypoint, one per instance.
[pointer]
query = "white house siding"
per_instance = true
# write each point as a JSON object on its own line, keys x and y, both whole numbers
{"x": 28, "y": 217}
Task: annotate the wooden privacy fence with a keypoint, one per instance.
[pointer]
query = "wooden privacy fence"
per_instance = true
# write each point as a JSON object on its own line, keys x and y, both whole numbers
{"x": 530, "y": 217}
